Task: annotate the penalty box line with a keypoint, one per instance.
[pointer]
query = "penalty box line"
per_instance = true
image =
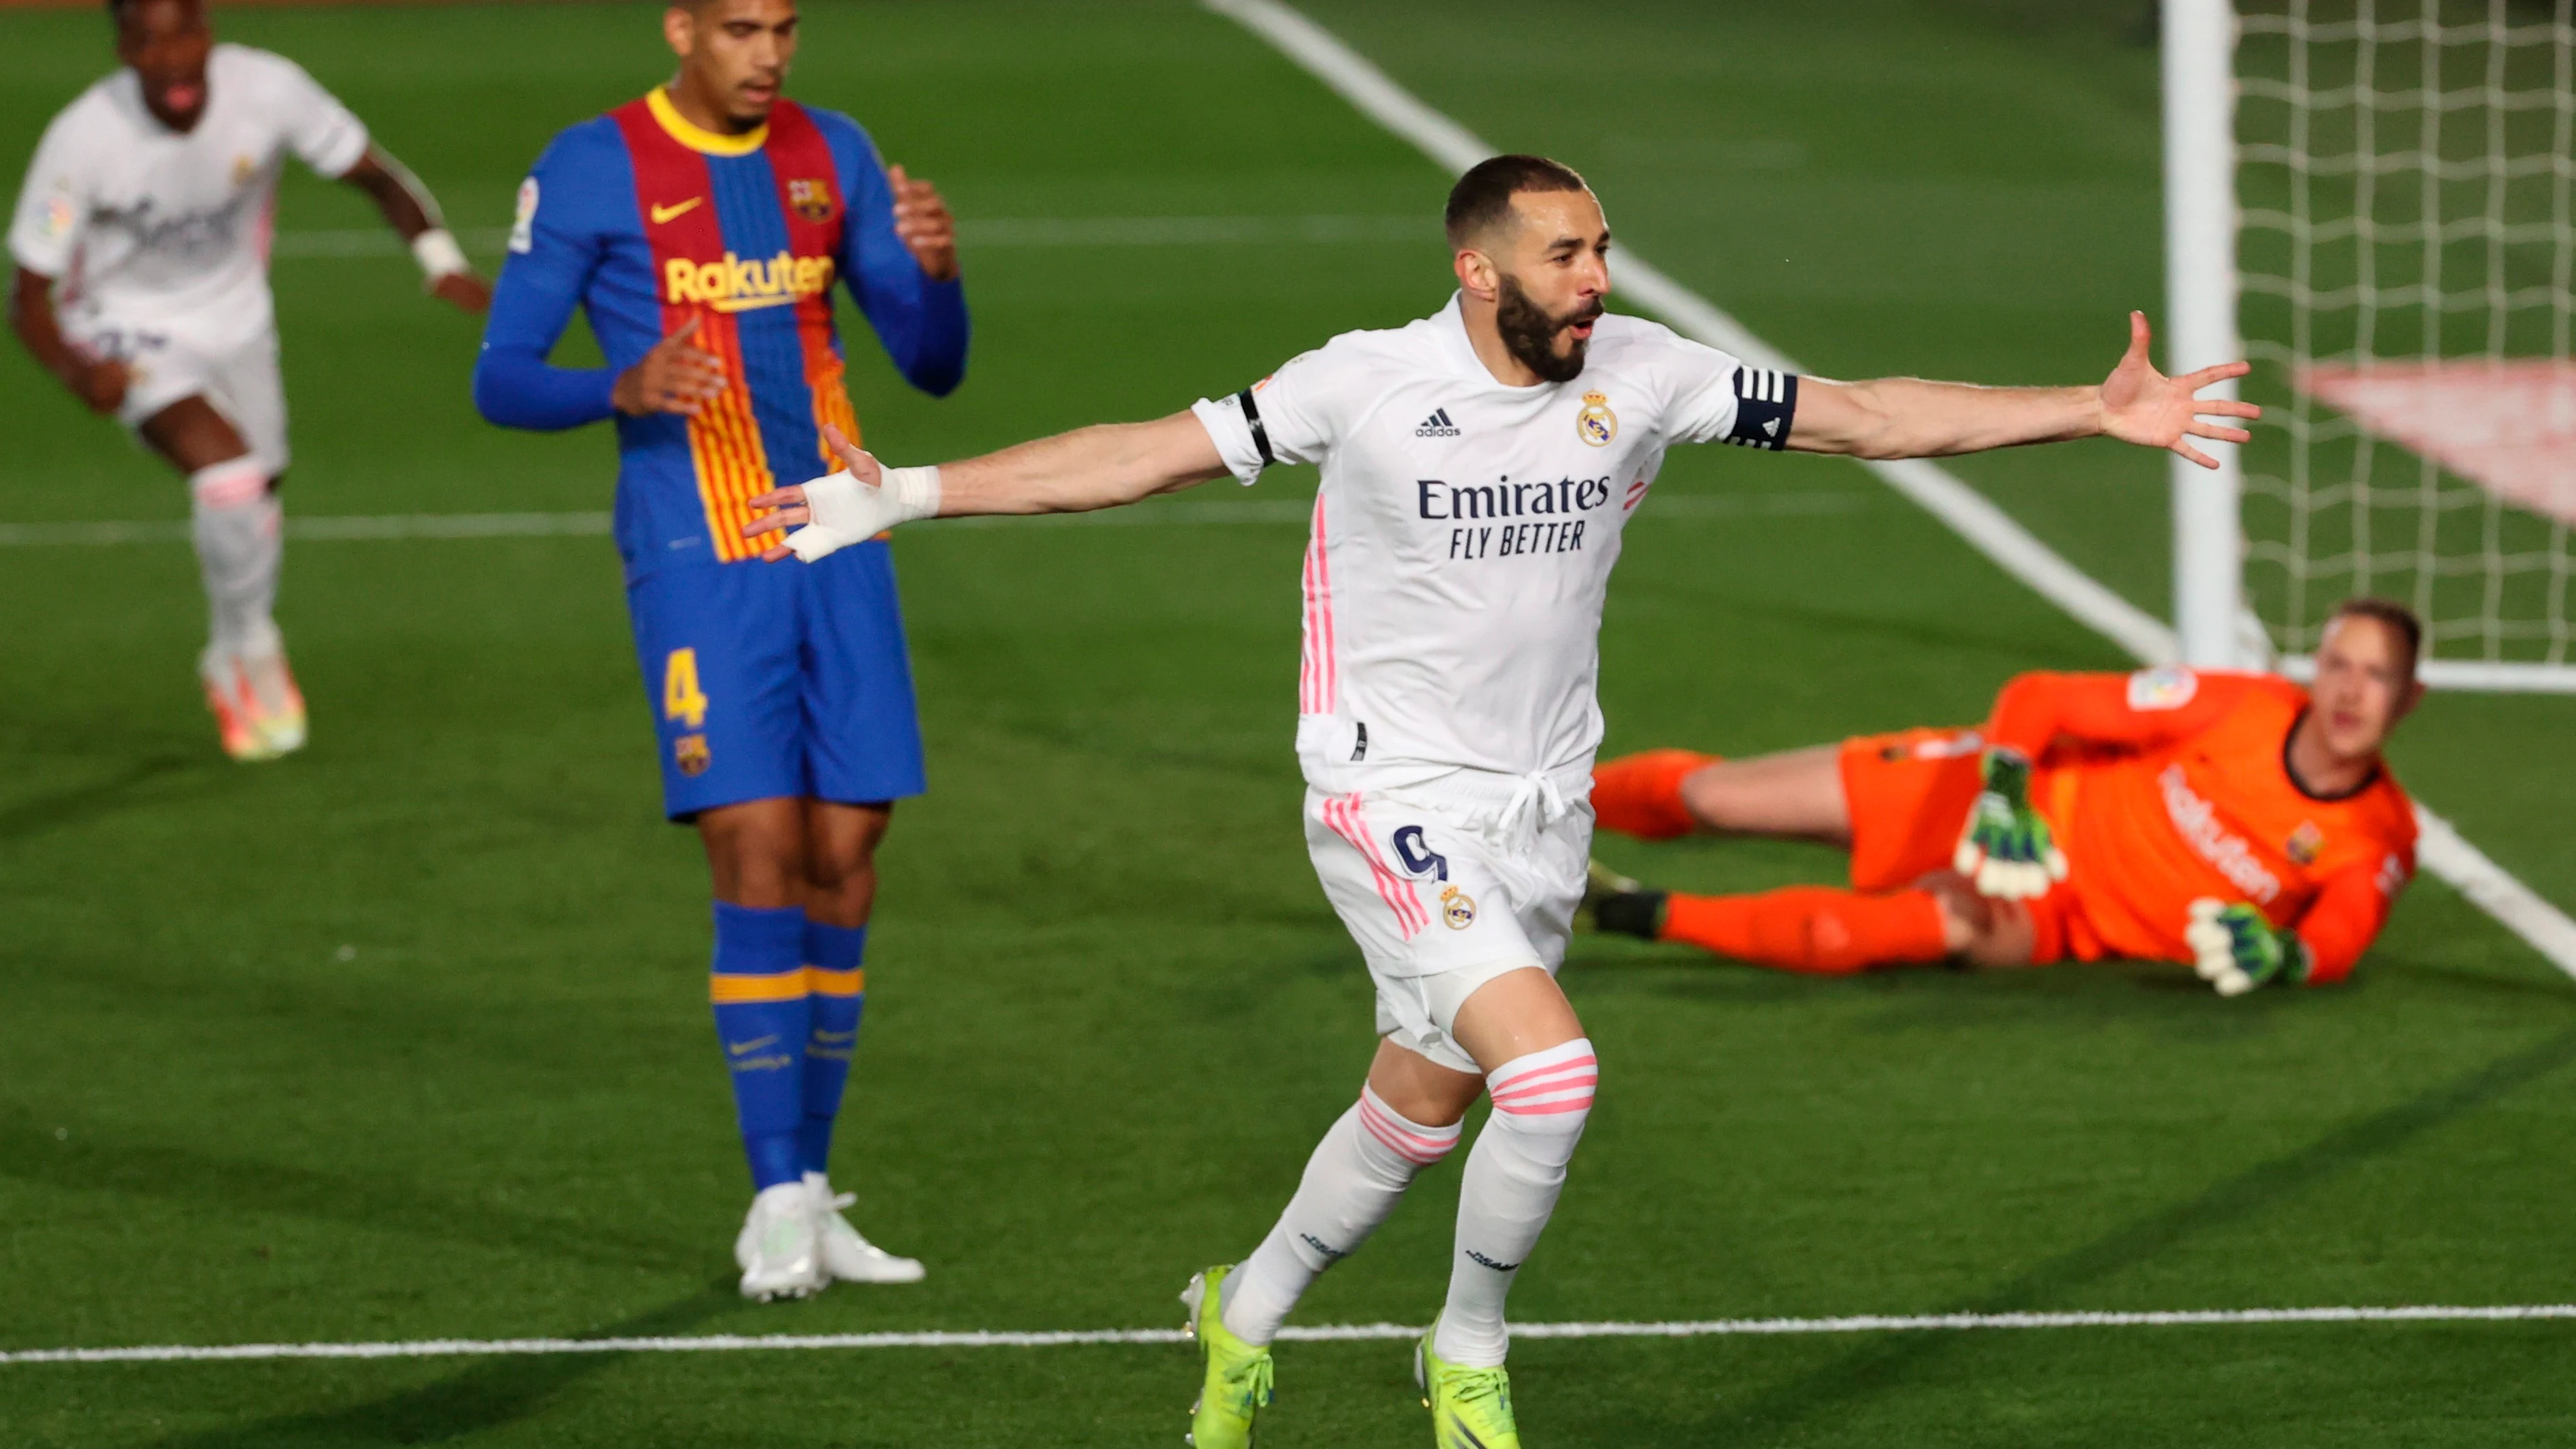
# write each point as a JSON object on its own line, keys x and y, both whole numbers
{"x": 1968, "y": 513}
{"x": 1325, "y": 1333}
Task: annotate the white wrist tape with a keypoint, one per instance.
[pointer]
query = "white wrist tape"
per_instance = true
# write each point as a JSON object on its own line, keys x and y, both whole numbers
{"x": 439, "y": 255}
{"x": 844, "y": 511}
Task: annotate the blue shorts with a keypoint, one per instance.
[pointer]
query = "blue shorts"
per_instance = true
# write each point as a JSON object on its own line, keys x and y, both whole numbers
{"x": 782, "y": 679}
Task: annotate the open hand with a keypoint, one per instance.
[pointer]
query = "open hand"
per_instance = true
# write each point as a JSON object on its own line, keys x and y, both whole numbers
{"x": 677, "y": 376}
{"x": 923, "y": 224}
{"x": 463, "y": 291}
{"x": 795, "y": 508}
{"x": 2143, "y": 406}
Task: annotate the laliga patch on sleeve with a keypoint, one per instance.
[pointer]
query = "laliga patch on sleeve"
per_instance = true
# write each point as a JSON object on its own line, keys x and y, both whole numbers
{"x": 2167, "y": 686}
{"x": 59, "y": 216}
{"x": 523, "y": 231}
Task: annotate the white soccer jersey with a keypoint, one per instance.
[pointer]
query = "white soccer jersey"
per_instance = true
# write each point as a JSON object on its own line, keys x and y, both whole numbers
{"x": 156, "y": 232}
{"x": 1465, "y": 531}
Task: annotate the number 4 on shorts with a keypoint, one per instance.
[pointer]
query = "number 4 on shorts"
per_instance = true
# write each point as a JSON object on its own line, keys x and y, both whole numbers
{"x": 682, "y": 700}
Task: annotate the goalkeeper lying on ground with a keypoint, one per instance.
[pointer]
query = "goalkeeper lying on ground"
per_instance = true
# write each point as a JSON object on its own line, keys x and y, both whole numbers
{"x": 2235, "y": 821}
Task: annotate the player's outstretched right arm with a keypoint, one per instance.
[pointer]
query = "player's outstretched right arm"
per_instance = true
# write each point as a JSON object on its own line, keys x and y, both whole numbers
{"x": 1077, "y": 472}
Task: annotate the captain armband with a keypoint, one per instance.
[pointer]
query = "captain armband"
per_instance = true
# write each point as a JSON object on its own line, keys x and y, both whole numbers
{"x": 1766, "y": 400}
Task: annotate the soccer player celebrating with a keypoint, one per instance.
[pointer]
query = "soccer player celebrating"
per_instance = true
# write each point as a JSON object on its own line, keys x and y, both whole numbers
{"x": 1478, "y": 466}
{"x": 141, "y": 242}
{"x": 702, "y": 227}
{"x": 2234, "y": 821}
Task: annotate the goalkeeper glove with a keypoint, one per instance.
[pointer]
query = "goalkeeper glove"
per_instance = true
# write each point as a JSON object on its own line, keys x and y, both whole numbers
{"x": 2238, "y": 950}
{"x": 2007, "y": 850}
{"x": 843, "y": 511}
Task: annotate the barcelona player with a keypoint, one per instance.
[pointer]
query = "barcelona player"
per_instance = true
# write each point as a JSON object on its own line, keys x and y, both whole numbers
{"x": 702, "y": 229}
{"x": 2235, "y": 821}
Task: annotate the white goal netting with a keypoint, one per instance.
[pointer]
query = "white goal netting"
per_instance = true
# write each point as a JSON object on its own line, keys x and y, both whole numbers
{"x": 2406, "y": 174}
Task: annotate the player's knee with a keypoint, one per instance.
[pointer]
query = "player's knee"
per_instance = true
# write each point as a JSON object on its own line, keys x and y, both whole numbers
{"x": 842, "y": 853}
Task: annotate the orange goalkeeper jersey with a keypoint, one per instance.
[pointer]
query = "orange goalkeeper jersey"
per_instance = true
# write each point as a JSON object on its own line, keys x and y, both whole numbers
{"x": 2169, "y": 785}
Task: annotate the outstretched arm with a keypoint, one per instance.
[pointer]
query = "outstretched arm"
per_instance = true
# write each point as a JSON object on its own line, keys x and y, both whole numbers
{"x": 1905, "y": 417}
{"x": 1076, "y": 472}
{"x": 412, "y": 211}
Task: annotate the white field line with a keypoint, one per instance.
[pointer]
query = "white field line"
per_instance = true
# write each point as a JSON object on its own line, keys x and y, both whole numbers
{"x": 1969, "y": 513}
{"x": 345, "y": 527}
{"x": 1032, "y": 231}
{"x": 1324, "y": 1333}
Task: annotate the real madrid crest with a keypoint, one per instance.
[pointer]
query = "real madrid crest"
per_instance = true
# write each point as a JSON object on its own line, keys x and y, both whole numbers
{"x": 1457, "y": 908}
{"x": 1596, "y": 424}
{"x": 811, "y": 198}
{"x": 244, "y": 169}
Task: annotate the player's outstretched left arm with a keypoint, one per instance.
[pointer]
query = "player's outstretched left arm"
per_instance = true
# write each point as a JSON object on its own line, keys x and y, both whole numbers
{"x": 1076, "y": 472}
{"x": 412, "y": 211}
{"x": 1905, "y": 417}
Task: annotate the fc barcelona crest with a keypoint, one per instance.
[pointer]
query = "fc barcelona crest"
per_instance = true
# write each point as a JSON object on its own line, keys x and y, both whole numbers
{"x": 811, "y": 198}
{"x": 689, "y": 752}
{"x": 1596, "y": 424}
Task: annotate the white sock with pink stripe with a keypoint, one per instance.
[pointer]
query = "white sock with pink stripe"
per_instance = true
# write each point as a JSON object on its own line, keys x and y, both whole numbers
{"x": 235, "y": 524}
{"x": 1353, "y": 1181}
{"x": 1514, "y": 1173}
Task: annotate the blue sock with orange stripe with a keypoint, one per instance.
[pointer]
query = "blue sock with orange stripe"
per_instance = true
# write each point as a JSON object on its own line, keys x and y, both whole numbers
{"x": 840, "y": 994}
{"x": 758, "y": 987}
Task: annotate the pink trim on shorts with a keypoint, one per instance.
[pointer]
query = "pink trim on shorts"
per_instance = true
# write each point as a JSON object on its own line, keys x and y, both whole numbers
{"x": 1342, "y": 813}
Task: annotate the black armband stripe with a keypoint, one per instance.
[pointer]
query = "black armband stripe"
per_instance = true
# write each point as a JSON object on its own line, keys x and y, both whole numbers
{"x": 1260, "y": 434}
{"x": 1766, "y": 402}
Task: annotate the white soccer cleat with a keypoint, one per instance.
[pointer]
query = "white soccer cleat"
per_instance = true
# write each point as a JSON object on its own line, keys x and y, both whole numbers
{"x": 777, "y": 1248}
{"x": 844, "y": 1254}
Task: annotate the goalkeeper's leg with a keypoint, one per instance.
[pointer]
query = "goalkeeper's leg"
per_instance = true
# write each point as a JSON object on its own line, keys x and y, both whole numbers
{"x": 1820, "y": 930}
{"x": 1664, "y": 793}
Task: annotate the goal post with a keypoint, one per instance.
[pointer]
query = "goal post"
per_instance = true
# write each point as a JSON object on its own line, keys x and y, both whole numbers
{"x": 2375, "y": 202}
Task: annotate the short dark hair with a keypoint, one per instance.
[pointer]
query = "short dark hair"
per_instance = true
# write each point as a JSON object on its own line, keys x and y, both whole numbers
{"x": 2400, "y": 620}
{"x": 1484, "y": 195}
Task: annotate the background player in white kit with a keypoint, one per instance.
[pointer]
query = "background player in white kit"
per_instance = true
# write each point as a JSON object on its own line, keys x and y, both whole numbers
{"x": 141, "y": 240}
{"x": 1478, "y": 466}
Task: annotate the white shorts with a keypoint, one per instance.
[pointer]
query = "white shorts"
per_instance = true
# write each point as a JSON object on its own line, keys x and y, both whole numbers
{"x": 240, "y": 381}
{"x": 1442, "y": 897}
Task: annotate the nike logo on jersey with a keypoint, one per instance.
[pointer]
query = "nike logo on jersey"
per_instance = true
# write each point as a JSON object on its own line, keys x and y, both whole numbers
{"x": 1437, "y": 426}
{"x": 663, "y": 213}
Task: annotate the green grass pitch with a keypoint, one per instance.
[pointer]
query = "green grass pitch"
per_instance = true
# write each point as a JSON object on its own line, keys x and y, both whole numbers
{"x": 406, "y": 1038}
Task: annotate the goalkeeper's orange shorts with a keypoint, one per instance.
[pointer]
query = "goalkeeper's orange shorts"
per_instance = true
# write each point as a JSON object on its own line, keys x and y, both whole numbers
{"x": 1909, "y": 794}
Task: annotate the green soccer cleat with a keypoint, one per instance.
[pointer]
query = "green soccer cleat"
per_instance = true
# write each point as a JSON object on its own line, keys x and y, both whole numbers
{"x": 1471, "y": 1408}
{"x": 1237, "y": 1385}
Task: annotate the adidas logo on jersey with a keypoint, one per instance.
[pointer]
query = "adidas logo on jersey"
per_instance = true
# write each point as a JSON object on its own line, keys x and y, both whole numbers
{"x": 1437, "y": 426}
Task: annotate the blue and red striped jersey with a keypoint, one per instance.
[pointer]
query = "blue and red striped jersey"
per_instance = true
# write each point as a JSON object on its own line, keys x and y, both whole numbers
{"x": 645, "y": 222}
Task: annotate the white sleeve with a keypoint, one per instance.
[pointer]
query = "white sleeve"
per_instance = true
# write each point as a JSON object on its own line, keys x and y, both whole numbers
{"x": 1295, "y": 415}
{"x": 1719, "y": 398}
{"x": 52, "y": 210}
{"x": 312, "y": 122}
